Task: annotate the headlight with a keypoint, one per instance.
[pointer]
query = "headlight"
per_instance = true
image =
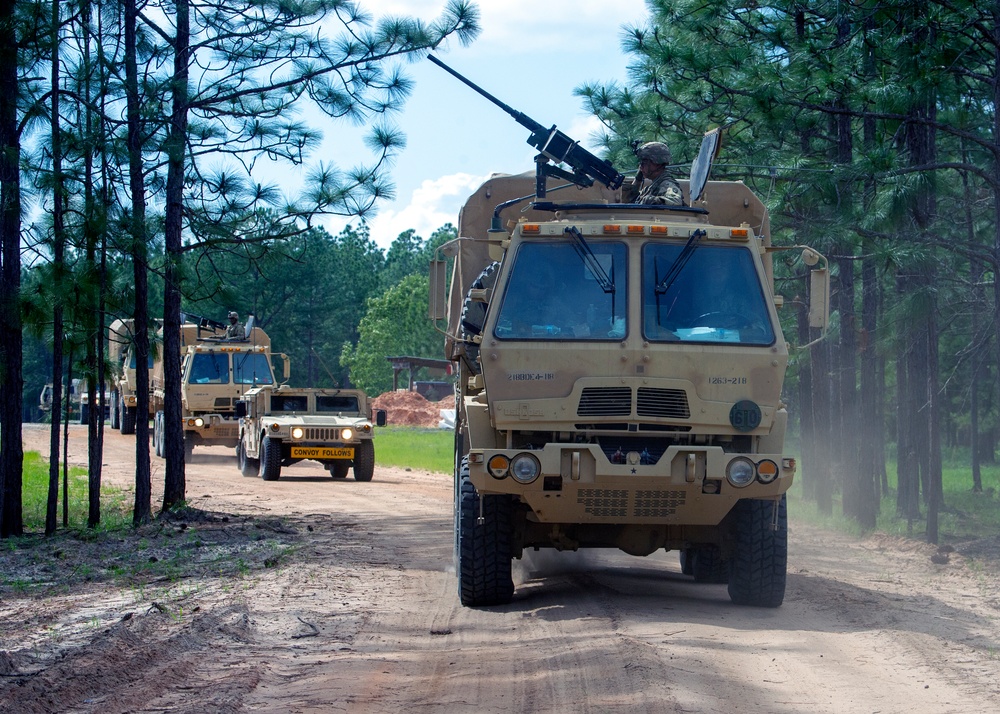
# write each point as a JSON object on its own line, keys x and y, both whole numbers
{"x": 524, "y": 468}
{"x": 740, "y": 472}
{"x": 199, "y": 422}
{"x": 346, "y": 434}
{"x": 298, "y": 432}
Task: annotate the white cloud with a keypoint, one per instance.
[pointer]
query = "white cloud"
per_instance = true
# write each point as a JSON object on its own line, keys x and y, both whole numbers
{"x": 431, "y": 205}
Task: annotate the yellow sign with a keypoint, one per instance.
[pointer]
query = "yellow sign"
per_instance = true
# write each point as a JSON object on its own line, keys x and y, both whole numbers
{"x": 322, "y": 452}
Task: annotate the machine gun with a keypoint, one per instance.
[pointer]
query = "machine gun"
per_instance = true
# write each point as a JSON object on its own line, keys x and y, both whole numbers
{"x": 554, "y": 146}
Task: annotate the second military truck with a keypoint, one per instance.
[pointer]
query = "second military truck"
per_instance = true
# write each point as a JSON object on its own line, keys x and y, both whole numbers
{"x": 280, "y": 426}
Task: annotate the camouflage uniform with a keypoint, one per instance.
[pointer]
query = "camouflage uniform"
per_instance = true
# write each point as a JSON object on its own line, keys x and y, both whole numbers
{"x": 235, "y": 330}
{"x": 663, "y": 191}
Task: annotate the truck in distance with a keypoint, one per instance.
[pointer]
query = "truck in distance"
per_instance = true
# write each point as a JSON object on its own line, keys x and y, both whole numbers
{"x": 280, "y": 426}
{"x": 122, "y": 361}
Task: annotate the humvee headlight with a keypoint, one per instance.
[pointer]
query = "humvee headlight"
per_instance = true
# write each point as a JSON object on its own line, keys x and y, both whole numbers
{"x": 498, "y": 466}
{"x": 199, "y": 422}
{"x": 298, "y": 432}
{"x": 740, "y": 472}
{"x": 524, "y": 468}
{"x": 767, "y": 471}
{"x": 346, "y": 434}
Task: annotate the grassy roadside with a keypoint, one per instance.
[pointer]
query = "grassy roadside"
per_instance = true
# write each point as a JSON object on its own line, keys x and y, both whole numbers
{"x": 408, "y": 447}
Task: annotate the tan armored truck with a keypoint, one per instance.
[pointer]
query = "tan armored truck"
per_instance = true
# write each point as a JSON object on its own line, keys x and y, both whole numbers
{"x": 280, "y": 426}
{"x": 122, "y": 363}
{"x": 620, "y": 372}
{"x": 216, "y": 371}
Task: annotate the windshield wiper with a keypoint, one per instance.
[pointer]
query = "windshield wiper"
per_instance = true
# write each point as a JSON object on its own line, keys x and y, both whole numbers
{"x": 678, "y": 265}
{"x": 590, "y": 261}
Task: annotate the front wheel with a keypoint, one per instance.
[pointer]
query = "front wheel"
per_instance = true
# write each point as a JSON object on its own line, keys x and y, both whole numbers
{"x": 364, "y": 461}
{"x": 247, "y": 466}
{"x": 270, "y": 459}
{"x": 758, "y": 566}
{"x": 484, "y": 549}
{"x": 127, "y": 419}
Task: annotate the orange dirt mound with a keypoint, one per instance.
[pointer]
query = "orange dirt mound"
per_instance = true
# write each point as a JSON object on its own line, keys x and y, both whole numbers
{"x": 411, "y": 409}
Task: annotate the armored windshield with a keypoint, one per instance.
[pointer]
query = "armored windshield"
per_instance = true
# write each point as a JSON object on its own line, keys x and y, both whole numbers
{"x": 251, "y": 368}
{"x": 716, "y": 297}
{"x": 209, "y": 368}
{"x": 556, "y": 294}
{"x": 287, "y": 403}
{"x": 326, "y": 403}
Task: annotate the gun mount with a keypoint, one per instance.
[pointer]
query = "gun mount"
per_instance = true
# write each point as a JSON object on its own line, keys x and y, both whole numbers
{"x": 554, "y": 145}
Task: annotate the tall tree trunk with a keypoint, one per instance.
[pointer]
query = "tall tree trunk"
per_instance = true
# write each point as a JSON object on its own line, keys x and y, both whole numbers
{"x": 58, "y": 265}
{"x": 174, "y": 486}
{"x": 11, "y": 450}
{"x": 142, "y": 507}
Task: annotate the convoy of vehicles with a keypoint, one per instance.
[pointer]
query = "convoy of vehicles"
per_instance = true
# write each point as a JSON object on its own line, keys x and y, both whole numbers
{"x": 619, "y": 373}
{"x": 280, "y": 426}
{"x": 216, "y": 371}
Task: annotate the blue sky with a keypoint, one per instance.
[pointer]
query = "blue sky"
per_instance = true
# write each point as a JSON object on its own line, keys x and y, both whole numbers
{"x": 531, "y": 55}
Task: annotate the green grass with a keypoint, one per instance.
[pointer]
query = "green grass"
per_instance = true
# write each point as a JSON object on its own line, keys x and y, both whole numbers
{"x": 964, "y": 516}
{"x": 35, "y": 489}
{"x": 424, "y": 449}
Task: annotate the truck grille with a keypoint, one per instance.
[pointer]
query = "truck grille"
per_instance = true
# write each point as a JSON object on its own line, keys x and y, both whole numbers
{"x": 666, "y": 403}
{"x": 223, "y": 403}
{"x": 605, "y": 401}
{"x": 319, "y": 433}
{"x": 226, "y": 431}
{"x": 614, "y": 503}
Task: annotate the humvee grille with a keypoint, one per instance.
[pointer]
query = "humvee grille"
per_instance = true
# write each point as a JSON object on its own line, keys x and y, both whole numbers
{"x": 605, "y": 401}
{"x": 608, "y": 502}
{"x": 667, "y": 403}
{"x": 317, "y": 433}
{"x": 657, "y": 504}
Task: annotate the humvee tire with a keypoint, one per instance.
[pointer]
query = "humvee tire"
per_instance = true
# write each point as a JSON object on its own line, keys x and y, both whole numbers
{"x": 127, "y": 419}
{"x": 339, "y": 469}
{"x": 758, "y": 567}
{"x": 270, "y": 459}
{"x": 364, "y": 461}
{"x": 484, "y": 557}
{"x": 248, "y": 467}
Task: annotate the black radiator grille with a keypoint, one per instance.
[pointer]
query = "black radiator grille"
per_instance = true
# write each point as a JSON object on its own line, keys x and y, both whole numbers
{"x": 605, "y": 401}
{"x": 665, "y": 403}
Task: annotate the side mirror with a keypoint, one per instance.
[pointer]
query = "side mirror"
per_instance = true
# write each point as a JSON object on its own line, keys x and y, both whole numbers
{"x": 819, "y": 298}
{"x": 241, "y": 409}
{"x": 380, "y": 417}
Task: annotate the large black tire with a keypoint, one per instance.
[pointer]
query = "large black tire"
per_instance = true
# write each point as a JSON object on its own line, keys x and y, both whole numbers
{"x": 705, "y": 564}
{"x": 364, "y": 461}
{"x": 474, "y": 313}
{"x": 114, "y": 420}
{"x": 758, "y": 567}
{"x": 484, "y": 550}
{"x": 270, "y": 459}
{"x": 339, "y": 469}
{"x": 247, "y": 466}
{"x": 188, "y": 447}
{"x": 128, "y": 419}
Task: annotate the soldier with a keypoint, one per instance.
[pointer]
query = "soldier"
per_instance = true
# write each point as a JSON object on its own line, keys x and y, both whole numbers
{"x": 235, "y": 329}
{"x": 654, "y": 157}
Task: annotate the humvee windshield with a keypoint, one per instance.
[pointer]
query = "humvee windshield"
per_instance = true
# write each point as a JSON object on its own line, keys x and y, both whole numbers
{"x": 286, "y": 403}
{"x": 251, "y": 368}
{"x": 553, "y": 294}
{"x": 209, "y": 368}
{"x": 326, "y": 403}
{"x": 715, "y": 296}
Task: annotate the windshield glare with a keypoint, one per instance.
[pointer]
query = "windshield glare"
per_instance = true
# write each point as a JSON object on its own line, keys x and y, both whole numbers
{"x": 553, "y": 295}
{"x": 716, "y": 297}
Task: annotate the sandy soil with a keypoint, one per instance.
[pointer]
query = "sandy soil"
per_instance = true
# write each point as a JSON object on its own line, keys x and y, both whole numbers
{"x": 312, "y": 594}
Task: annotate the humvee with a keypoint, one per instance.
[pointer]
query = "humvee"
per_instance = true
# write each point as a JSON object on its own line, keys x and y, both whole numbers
{"x": 280, "y": 426}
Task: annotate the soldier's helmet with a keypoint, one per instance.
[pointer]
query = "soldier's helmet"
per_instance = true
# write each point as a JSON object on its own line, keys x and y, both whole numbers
{"x": 233, "y": 316}
{"x": 655, "y": 151}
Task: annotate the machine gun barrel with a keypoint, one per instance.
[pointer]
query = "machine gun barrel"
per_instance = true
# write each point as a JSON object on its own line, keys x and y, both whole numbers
{"x": 553, "y": 144}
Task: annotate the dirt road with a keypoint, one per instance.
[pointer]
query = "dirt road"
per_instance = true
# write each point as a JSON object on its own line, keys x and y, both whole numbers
{"x": 357, "y": 611}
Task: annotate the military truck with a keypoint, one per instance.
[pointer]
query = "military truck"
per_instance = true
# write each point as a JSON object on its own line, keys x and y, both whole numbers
{"x": 619, "y": 377}
{"x": 280, "y": 426}
{"x": 122, "y": 363}
{"x": 216, "y": 371}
